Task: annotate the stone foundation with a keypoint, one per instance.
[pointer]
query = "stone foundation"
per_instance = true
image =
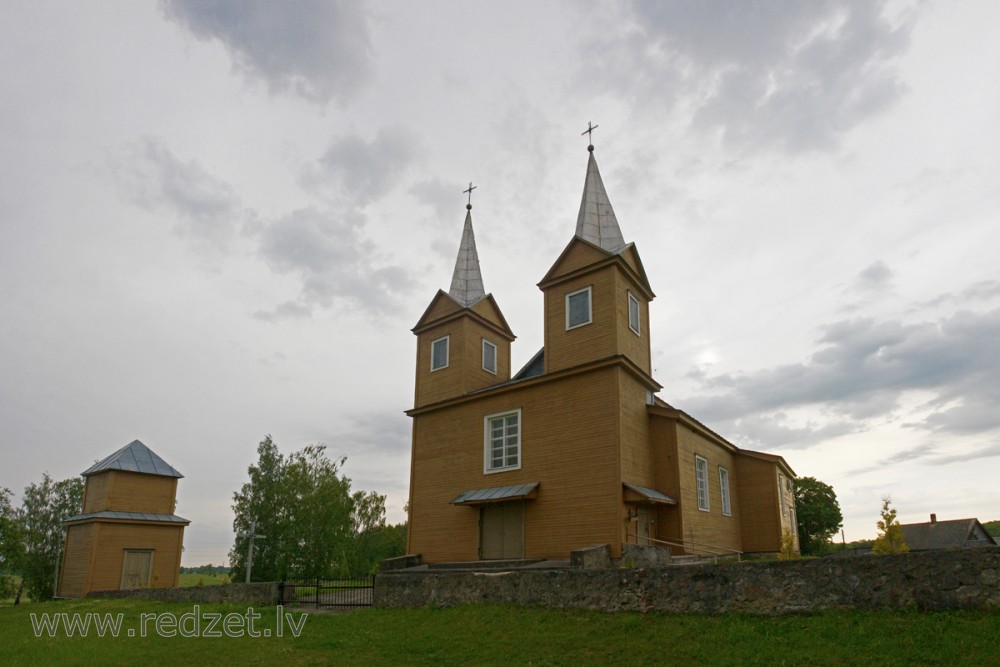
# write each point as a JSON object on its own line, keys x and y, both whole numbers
{"x": 260, "y": 594}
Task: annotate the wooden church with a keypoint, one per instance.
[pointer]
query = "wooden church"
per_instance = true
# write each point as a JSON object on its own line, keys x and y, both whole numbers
{"x": 128, "y": 535}
{"x": 575, "y": 449}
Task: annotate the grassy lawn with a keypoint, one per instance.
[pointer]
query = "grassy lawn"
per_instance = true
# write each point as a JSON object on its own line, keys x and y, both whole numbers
{"x": 501, "y": 635}
{"x": 203, "y": 579}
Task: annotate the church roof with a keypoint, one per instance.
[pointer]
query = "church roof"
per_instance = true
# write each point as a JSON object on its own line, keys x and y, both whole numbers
{"x": 596, "y": 222}
{"x": 467, "y": 281}
{"x": 134, "y": 457}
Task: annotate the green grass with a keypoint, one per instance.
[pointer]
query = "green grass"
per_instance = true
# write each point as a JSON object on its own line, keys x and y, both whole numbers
{"x": 502, "y": 635}
{"x": 203, "y": 579}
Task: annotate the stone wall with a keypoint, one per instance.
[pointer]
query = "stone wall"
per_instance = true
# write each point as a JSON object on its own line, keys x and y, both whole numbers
{"x": 968, "y": 578}
{"x": 260, "y": 594}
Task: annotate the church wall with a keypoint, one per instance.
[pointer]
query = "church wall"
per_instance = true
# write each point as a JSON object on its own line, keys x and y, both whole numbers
{"x": 568, "y": 445}
{"x": 445, "y": 382}
{"x": 633, "y": 346}
{"x": 663, "y": 437}
{"x": 95, "y": 492}
{"x": 711, "y": 528}
{"x": 471, "y": 356}
{"x": 137, "y": 492}
{"x": 597, "y": 340}
{"x": 761, "y": 515}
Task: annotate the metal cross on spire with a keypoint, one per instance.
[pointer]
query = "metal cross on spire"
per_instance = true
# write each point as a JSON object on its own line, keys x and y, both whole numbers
{"x": 469, "y": 192}
{"x": 590, "y": 132}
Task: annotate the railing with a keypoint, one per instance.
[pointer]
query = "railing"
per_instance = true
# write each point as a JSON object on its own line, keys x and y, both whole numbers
{"x": 689, "y": 545}
{"x": 343, "y": 592}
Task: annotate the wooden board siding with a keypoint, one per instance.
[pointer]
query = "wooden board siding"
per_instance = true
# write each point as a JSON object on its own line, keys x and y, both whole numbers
{"x": 760, "y": 518}
{"x": 663, "y": 443}
{"x": 441, "y": 305}
{"x": 444, "y": 382}
{"x": 565, "y": 349}
{"x": 137, "y": 492}
{"x": 635, "y": 347}
{"x": 576, "y": 255}
{"x": 74, "y": 577}
{"x": 95, "y": 492}
{"x": 710, "y": 528}
{"x": 471, "y": 357}
{"x": 113, "y": 538}
{"x": 568, "y": 445}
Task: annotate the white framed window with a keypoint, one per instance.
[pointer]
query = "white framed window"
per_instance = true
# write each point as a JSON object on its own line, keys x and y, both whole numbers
{"x": 439, "y": 353}
{"x": 781, "y": 494}
{"x": 578, "y": 310}
{"x": 503, "y": 441}
{"x": 633, "y": 314}
{"x": 701, "y": 476}
{"x": 727, "y": 505}
{"x": 489, "y": 357}
{"x": 795, "y": 524}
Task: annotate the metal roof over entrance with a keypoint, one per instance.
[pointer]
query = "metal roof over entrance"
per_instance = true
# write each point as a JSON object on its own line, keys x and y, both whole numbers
{"x": 648, "y": 495}
{"x": 496, "y": 494}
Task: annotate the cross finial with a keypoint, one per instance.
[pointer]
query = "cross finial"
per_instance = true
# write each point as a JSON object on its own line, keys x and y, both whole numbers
{"x": 469, "y": 192}
{"x": 590, "y": 138}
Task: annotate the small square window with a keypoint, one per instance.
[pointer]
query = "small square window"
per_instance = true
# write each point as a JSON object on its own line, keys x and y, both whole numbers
{"x": 489, "y": 357}
{"x": 439, "y": 353}
{"x": 633, "y": 314}
{"x": 578, "y": 308}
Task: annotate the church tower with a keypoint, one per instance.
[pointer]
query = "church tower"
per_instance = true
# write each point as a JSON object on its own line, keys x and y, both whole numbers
{"x": 463, "y": 340}
{"x": 596, "y": 294}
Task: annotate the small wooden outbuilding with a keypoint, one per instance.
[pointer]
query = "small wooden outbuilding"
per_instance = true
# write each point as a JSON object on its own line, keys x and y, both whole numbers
{"x": 128, "y": 535}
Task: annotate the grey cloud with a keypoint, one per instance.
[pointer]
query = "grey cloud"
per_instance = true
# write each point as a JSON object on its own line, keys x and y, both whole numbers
{"x": 864, "y": 366}
{"x": 876, "y": 275}
{"x": 207, "y": 208}
{"x": 985, "y": 452}
{"x": 788, "y": 76}
{"x": 442, "y": 198}
{"x": 761, "y": 431}
{"x": 983, "y": 290}
{"x": 318, "y": 49}
{"x": 364, "y": 171}
{"x": 334, "y": 261}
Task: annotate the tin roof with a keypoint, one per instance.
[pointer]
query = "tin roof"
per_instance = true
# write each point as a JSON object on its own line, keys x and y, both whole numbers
{"x": 134, "y": 457}
{"x": 650, "y": 494}
{"x": 596, "y": 221}
{"x": 128, "y": 516}
{"x": 496, "y": 494}
{"x": 467, "y": 280}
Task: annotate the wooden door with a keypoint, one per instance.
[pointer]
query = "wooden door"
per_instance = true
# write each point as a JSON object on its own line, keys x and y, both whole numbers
{"x": 644, "y": 525}
{"x": 136, "y": 568}
{"x": 501, "y": 531}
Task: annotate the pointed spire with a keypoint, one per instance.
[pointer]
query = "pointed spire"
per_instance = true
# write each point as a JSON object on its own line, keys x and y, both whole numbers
{"x": 597, "y": 222}
{"x": 467, "y": 281}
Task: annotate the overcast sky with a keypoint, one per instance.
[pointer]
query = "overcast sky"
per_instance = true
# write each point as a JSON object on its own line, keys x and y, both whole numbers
{"x": 219, "y": 220}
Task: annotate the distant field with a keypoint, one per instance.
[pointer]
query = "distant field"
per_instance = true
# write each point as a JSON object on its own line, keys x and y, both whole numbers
{"x": 509, "y": 636}
{"x": 204, "y": 579}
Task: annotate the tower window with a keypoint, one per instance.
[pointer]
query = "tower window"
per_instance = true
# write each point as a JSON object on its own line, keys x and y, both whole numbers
{"x": 439, "y": 353}
{"x": 578, "y": 308}
{"x": 489, "y": 357}
{"x": 633, "y": 314}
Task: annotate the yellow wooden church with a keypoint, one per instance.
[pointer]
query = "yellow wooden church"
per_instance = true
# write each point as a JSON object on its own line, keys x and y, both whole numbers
{"x": 128, "y": 535}
{"x": 575, "y": 449}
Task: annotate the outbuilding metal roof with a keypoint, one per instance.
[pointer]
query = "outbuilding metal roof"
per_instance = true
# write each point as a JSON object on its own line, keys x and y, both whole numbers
{"x": 129, "y": 516}
{"x": 134, "y": 457}
{"x": 496, "y": 494}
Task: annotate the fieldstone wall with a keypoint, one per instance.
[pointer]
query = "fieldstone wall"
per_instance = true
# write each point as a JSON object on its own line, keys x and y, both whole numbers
{"x": 968, "y": 578}
{"x": 260, "y": 594}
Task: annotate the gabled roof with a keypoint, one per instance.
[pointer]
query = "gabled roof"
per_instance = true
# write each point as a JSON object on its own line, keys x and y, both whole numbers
{"x": 467, "y": 280}
{"x": 581, "y": 256}
{"x": 444, "y": 308}
{"x": 596, "y": 221}
{"x": 953, "y": 534}
{"x": 534, "y": 367}
{"x": 134, "y": 457}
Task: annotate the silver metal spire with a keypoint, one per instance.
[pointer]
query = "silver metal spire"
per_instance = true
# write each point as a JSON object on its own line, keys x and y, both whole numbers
{"x": 597, "y": 222}
{"x": 467, "y": 281}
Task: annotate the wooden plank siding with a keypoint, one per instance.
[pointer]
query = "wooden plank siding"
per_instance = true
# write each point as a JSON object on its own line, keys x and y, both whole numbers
{"x": 634, "y": 346}
{"x": 565, "y": 349}
{"x": 74, "y": 578}
{"x": 568, "y": 445}
{"x": 710, "y": 528}
{"x": 114, "y": 537}
{"x": 464, "y": 372}
{"x": 761, "y": 516}
{"x": 95, "y": 492}
{"x": 137, "y": 492}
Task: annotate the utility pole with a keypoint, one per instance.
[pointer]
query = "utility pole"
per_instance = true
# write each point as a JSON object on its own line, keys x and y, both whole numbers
{"x": 253, "y": 536}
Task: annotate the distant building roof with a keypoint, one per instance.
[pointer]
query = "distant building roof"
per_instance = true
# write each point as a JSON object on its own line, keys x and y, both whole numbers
{"x": 953, "y": 534}
{"x": 134, "y": 457}
{"x": 128, "y": 516}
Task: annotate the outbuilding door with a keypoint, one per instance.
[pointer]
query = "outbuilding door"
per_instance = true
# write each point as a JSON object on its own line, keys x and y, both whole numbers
{"x": 136, "y": 568}
{"x": 501, "y": 531}
{"x": 644, "y": 525}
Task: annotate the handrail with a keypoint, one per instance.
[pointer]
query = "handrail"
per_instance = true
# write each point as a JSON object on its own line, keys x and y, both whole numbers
{"x": 695, "y": 546}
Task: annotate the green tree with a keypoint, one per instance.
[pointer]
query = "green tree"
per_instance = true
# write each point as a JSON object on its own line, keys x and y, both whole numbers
{"x": 818, "y": 513}
{"x": 890, "y": 537}
{"x": 313, "y": 525}
{"x": 993, "y": 528}
{"x": 43, "y": 509}
{"x": 10, "y": 543}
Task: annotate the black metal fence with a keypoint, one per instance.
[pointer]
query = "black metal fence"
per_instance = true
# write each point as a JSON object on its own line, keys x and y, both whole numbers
{"x": 344, "y": 593}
